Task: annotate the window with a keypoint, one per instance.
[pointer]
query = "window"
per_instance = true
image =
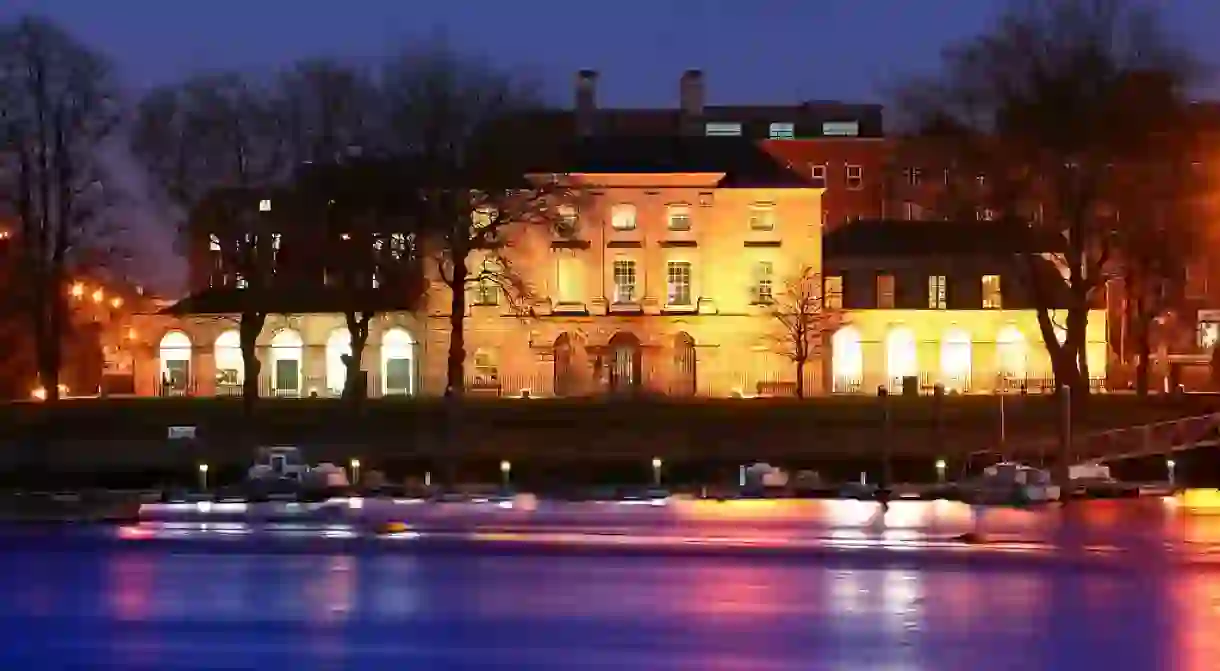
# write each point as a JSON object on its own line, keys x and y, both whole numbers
{"x": 679, "y": 217}
{"x": 622, "y": 217}
{"x": 764, "y": 272}
{"x": 885, "y": 292}
{"x": 214, "y": 242}
{"x": 486, "y": 290}
{"x": 936, "y": 292}
{"x": 264, "y": 205}
{"x": 855, "y": 177}
{"x": 568, "y": 286}
{"x": 783, "y": 131}
{"x": 486, "y": 372}
{"x": 568, "y": 217}
{"x": 1209, "y": 334}
{"x": 482, "y": 217}
{"x": 832, "y": 293}
{"x": 991, "y": 293}
{"x": 762, "y": 217}
{"x": 678, "y": 279}
{"x": 624, "y": 281}
{"x": 984, "y": 214}
{"x": 841, "y": 128}
{"x": 818, "y": 175}
{"x": 912, "y": 211}
{"x": 914, "y": 176}
{"x": 722, "y": 129}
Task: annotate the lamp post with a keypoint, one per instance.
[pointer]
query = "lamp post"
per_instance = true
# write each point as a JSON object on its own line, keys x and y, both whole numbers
{"x": 656, "y": 471}
{"x": 506, "y": 471}
{"x": 203, "y": 477}
{"x": 355, "y": 464}
{"x": 1171, "y": 467}
{"x": 940, "y": 471}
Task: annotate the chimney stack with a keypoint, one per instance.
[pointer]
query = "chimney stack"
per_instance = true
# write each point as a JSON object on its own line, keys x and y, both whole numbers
{"x": 690, "y": 92}
{"x": 586, "y": 101}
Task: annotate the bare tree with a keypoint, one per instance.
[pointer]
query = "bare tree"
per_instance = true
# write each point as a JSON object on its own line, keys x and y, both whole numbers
{"x": 58, "y": 105}
{"x": 1032, "y": 117}
{"x": 802, "y": 321}
{"x": 475, "y": 199}
{"x": 373, "y": 263}
{"x": 326, "y": 110}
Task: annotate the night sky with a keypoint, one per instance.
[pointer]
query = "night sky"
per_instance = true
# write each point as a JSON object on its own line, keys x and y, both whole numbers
{"x": 752, "y": 51}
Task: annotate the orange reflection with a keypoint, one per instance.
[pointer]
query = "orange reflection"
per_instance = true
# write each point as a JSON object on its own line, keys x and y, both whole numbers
{"x": 734, "y": 591}
{"x": 1196, "y": 620}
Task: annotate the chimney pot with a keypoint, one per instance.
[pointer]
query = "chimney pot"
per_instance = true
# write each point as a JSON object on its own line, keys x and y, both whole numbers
{"x": 691, "y": 98}
{"x": 586, "y": 101}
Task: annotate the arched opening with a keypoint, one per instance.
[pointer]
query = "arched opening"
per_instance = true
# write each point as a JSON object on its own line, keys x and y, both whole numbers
{"x": 846, "y": 361}
{"x": 564, "y": 381}
{"x": 175, "y": 356}
{"x": 230, "y": 368}
{"x": 338, "y": 346}
{"x": 955, "y": 354}
{"x": 397, "y": 363}
{"x": 624, "y": 375}
{"x": 286, "y": 357}
{"x": 685, "y": 380}
{"x": 900, "y": 356}
{"x": 486, "y": 372}
{"x": 1011, "y": 357}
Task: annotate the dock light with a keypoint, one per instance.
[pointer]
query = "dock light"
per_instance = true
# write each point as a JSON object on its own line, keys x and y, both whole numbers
{"x": 116, "y": 302}
{"x": 940, "y": 470}
{"x": 656, "y": 471}
{"x": 78, "y": 290}
{"x": 203, "y": 477}
{"x": 506, "y": 470}
{"x": 355, "y": 464}
{"x": 1171, "y": 466}
{"x": 98, "y": 295}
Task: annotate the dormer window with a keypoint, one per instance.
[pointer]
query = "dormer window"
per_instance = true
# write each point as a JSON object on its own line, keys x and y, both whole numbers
{"x": 622, "y": 217}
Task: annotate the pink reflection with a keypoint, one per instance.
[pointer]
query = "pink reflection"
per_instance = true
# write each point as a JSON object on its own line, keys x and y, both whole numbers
{"x": 131, "y": 584}
{"x": 331, "y": 597}
{"x": 1196, "y": 619}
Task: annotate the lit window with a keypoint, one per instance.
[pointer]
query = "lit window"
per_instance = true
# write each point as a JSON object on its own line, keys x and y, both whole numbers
{"x": 992, "y": 299}
{"x": 275, "y": 241}
{"x": 783, "y": 131}
{"x": 855, "y": 177}
{"x": 1011, "y": 355}
{"x": 678, "y": 279}
{"x": 832, "y": 293}
{"x": 214, "y": 242}
{"x": 762, "y": 217}
{"x": 486, "y": 372}
{"x": 679, "y": 217}
{"x": 914, "y": 176}
{"x": 568, "y": 218}
{"x": 885, "y": 292}
{"x": 264, "y": 205}
{"x": 955, "y": 358}
{"x": 240, "y": 282}
{"x": 1209, "y": 334}
{"x": 901, "y": 356}
{"x": 568, "y": 271}
{"x": 622, "y": 217}
{"x": 486, "y": 290}
{"x": 817, "y": 173}
{"x": 841, "y": 128}
{"x": 847, "y": 360}
{"x": 763, "y": 290}
{"x": 936, "y": 292}
{"x": 482, "y": 217}
{"x": 624, "y": 281}
{"x": 722, "y": 129}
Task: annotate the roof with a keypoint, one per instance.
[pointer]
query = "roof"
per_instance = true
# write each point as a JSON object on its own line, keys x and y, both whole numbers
{"x": 743, "y": 162}
{"x": 892, "y": 237}
{"x": 289, "y": 300}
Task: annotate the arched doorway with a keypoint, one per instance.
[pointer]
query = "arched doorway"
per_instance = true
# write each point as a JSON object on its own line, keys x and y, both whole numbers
{"x": 624, "y": 376}
{"x": 900, "y": 357}
{"x": 685, "y": 382}
{"x": 846, "y": 361}
{"x": 338, "y": 346}
{"x": 1011, "y": 357}
{"x": 175, "y": 356}
{"x": 286, "y": 357}
{"x": 564, "y": 382}
{"x": 230, "y": 368}
{"x": 955, "y": 360}
{"x": 397, "y": 363}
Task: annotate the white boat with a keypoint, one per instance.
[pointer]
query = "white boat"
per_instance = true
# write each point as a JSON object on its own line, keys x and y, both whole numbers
{"x": 1011, "y": 483}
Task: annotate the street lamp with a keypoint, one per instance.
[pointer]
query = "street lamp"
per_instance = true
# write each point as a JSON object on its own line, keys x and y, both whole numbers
{"x": 203, "y": 477}
{"x": 78, "y": 290}
{"x": 98, "y": 295}
{"x": 940, "y": 471}
{"x": 355, "y": 464}
{"x": 1171, "y": 466}
{"x": 506, "y": 470}
{"x": 656, "y": 471}
{"x": 116, "y": 302}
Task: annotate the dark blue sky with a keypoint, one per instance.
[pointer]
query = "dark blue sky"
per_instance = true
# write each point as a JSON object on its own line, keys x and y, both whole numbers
{"x": 752, "y": 51}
